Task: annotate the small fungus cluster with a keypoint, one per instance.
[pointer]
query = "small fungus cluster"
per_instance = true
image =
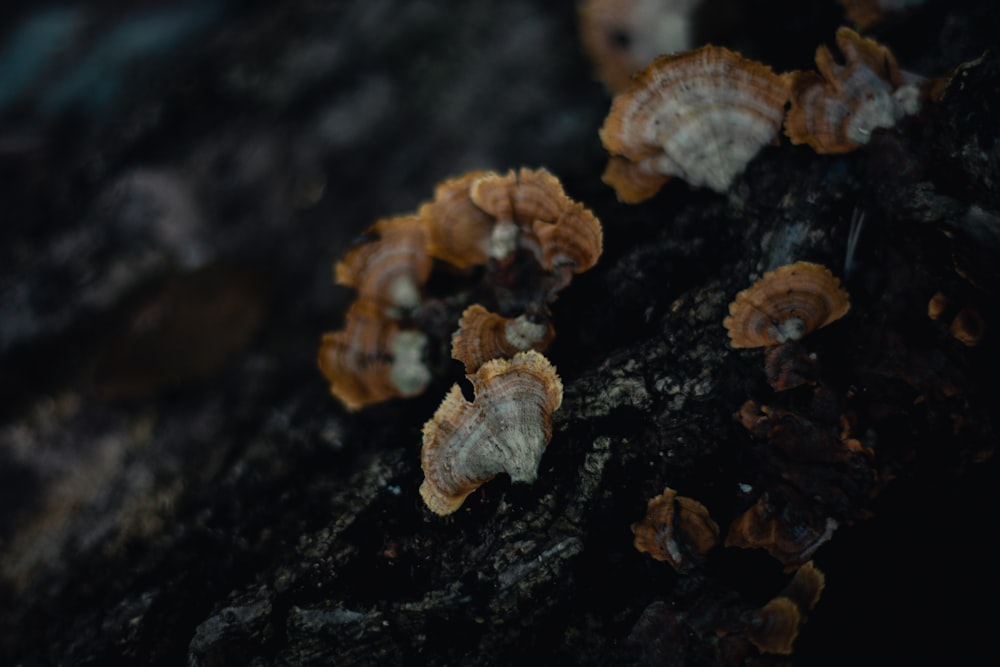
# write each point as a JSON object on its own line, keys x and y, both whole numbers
{"x": 702, "y": 115}
{"x": 528, "y": 238}
{"x": 680, "y": 530}
{"x": 797, "y": 509}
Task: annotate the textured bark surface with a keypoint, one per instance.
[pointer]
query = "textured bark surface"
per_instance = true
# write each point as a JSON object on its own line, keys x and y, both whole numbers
{"x": 179, "y": 486}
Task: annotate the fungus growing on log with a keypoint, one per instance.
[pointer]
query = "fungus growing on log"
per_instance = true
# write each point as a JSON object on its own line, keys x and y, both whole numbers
{"x": 505, "y": 429}
{"x": 700, "y": 115}
{"x": 482, "y": 336}
{"x": 622, "y": 36}
{"x": 371, "y": 359}
{"x": 785, "y": 305}
{"x": 789, "y": 537}
{"x": 836, "y": 109}
{"x": 774, "y": 627}
{"x": 676, "y": 529}
{"x": 968, "y": 327}
{"x": 458, "y": 231}
{"x": 390, "y": 269}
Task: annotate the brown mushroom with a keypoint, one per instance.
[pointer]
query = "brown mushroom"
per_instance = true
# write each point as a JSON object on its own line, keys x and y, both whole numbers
{"x": 968, "y": 327}
{"x": 936, "y": 306}
{"x": 458, "y": 231}
{"x": 700, "y": 115}
{"x": 836, "y": 109}
{"x": 805, "y": 587}
{"x": 788, "y": 537}
{"x": 622, "y": 36}
{"x": 505, "y": 429}
{"x": 785, "y": 305}
{"x": 483, "y": 335}
{"x": 676, "y": 529}
{"x": 391, "y": 269}
{"x": 774, "y": 627}
{"x": 371, "y": 359}
{"x": 790, "y": 365}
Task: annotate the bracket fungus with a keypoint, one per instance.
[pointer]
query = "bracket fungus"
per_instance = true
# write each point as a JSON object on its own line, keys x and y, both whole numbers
{"x": 785, "y": 305}
{"x": 622, "y": 36}
{"x": 458, "y": 231}
{"x": 836, "y": 109}
{"x": 371, "y": 359}
{"x": 676, "y": 529}
{"x": 774, "y": 627}
{"x": 482, "y": 336}
{"x": 505, "y": 429}
{"x": 700, "y": 115}
{"x": 788, "y": 537}
{"x": 390, "y": 269}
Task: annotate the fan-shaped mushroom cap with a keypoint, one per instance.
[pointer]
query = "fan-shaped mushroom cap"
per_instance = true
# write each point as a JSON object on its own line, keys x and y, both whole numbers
{"x": 805, "y": 587}
{"x": 700, "y": 115}
{"x": 505, "y": 429}
{"x": 391, "y": 269}
{"x": 969, "y": 326}
{"x": 836, "y": 109}
{"x": 532, "y": 210}
{"x": 458, "y": 231}
{"x": 574, "y": 240}
{"x": 774, "y": 627}
{"x": 483, "y": 335}
{"x": 676, "y": 529}
{"x": 622, "y": 36}
{"x": 371, "y": 359}
{"x": 785, "y": 305}
{"x": 791, "y": 540}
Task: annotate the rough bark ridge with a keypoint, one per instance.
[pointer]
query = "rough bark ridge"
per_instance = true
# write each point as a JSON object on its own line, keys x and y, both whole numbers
{"x": 179, "y": 486}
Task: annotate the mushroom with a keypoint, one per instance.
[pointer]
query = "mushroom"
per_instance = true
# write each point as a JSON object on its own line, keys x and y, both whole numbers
{"x": 676, "y": 529}
{"x": 968, "y": 327}
{"x": 790, "y": 365}
{"x": 482, "y": 336}
{"x": 700, "y": 115}
{"x": 505, "y": 429}
{"x": 622, "y": 36}
{"x": 458, "y": 231}
{"x": 371, "y": 359}
{"x": 774, "y": 627}
{"x": 785, "y": 305}
{"x": 391, "y": 269}
{"x": 836, "y": 109}
{"x": 790, "y": 538}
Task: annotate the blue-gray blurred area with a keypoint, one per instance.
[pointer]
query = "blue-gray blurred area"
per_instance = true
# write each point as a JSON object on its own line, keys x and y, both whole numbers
{"x": 78, "y": 62}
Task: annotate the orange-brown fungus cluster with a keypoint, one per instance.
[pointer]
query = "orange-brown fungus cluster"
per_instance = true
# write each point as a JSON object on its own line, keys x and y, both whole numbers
{"x": 501, "y": 221}
{"x": 836, "y": 109}
{"x": 702, "y": 115}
